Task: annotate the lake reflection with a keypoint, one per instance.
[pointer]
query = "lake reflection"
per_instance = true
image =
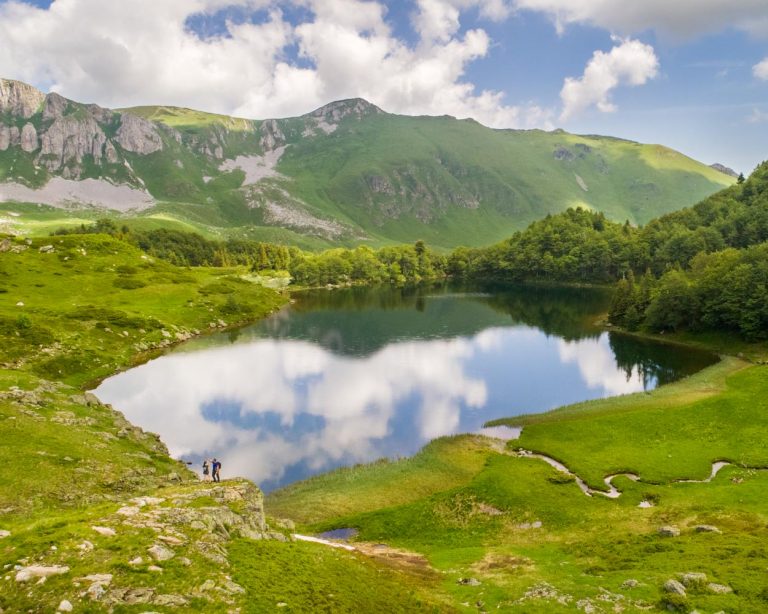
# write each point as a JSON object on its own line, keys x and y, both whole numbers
{"x": 351, "y": 376}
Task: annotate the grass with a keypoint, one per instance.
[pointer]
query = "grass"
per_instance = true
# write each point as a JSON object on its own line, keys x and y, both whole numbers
{"x": 445, "y": 181}
{"x": 480, "y": 522}
{"x": 313, "y": 578}
{"x": 466, "y": 504}
{"x": 442, "y": 463}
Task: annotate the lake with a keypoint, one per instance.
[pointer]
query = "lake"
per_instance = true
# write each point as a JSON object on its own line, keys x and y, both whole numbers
{"x": 352, "y": 375}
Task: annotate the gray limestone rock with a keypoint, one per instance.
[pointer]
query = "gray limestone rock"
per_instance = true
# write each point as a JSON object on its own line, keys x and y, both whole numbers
{"x": 706, "y": 528}
{"x": 674, "y": 587}
{"x": 55, "y": 106}
{"x": 271, "y": 135}
{"x": 138, "y": 135}
{"x": 720, "y": 589}
{"x": 693, "y": 578}
{"x": 5, "y": 137}
{"x": 19, "y": 99}
{"x": 68, "y": 140}
{"x": 669, "y": 531}
{"x": 159, "y": 552}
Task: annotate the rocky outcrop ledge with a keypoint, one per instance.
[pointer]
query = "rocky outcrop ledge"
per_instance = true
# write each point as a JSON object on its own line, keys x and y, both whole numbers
{"x": 124, "y": 560}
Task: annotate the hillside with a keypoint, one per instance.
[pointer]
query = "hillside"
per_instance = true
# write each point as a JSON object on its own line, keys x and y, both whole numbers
{"x": 343, "y": 174}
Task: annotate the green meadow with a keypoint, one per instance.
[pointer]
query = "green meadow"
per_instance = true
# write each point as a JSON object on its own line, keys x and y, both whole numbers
{"x": 465, "y": 525}
{"x": 530, "y": 538}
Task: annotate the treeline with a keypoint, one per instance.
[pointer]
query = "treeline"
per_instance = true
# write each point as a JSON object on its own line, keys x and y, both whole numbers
{"x": 190, "y": 249}
{"x": 725, "y": 290}
{"x": 703, "y": 267}
{"x": 401, "y": 264}
{"x": 583, "y": 246}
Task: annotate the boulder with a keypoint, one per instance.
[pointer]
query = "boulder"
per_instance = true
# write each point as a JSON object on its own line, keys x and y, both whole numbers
{"x": 630, "y": 583}
{"x": 170, "y": 600}
{"x": 64, "y": 606}
{"x": 468, "y": 581}
{"x": 706, "y": 528}
{"x": 4, "y": 533}
{"x": 693, "y": 578}
{"x": 25, "y": 574}
{"x": 159, "y": 552}
{"x": 674, "y": 587}
{"x": 669, "y": 531}
{"x": 105, "y": 531}
{"x": 720, "y": 589}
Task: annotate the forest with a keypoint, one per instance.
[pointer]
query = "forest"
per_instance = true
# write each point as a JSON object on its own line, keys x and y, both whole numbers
{"x": 701, "y": 268}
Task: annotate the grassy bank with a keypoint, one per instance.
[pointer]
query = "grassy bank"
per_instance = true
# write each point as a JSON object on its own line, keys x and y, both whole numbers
{"x": 73, "y": 310}
{"x": 531, "y": 541}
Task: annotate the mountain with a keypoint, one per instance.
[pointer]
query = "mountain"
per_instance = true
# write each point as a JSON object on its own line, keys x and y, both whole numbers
{"x": 345, "y": 173}
{"x": 726, "y": 170}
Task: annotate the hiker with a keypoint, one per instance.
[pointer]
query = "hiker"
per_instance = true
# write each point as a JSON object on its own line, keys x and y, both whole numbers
{"x": 206, "y": 470}
{"x": 216, "y": 469}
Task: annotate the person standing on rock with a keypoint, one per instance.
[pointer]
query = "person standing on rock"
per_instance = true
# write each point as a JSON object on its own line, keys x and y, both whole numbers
{"x": 206, "y": 470}
{"x": 216, "y": 470}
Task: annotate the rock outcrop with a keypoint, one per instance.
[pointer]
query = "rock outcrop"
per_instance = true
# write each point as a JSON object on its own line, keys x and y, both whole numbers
{"x": 272, "y": 136}
{"x": 138, "y": 135}
{"x": 29, "y": 141}
{"x": 19, "y": 99}
{"x": 724, "y": 169}
{"x": 67, "y": 141}
{"x": 336, "y": 111}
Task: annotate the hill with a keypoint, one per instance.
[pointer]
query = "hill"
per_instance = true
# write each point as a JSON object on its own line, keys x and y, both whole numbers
{"x": 343, "y": 174}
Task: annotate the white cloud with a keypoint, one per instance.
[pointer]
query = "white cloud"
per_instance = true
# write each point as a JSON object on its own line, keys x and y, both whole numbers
{"x": 630, "y": 63}
{"x": 141, "y": 52}
{"x": 355, "y": 400}
{"x": 597, "y": 366}
{"x": 673, "y": 18}
{"x": 760, "y": 70}
{"x": 757, "y": 117}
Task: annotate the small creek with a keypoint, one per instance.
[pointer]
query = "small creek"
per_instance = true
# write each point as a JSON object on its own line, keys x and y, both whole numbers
{"x": 612, "y": 492}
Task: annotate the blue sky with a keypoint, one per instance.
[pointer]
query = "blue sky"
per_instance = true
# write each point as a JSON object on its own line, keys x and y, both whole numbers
{"x": 692, "y": 74}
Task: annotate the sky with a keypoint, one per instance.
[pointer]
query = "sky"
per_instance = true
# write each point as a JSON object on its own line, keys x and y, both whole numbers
{"x": 690, "y": 74}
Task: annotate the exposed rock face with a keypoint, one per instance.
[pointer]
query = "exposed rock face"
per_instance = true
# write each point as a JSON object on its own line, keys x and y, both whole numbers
{"x": 138, "y": 135}
{"x": 271, "y": 135}
{"x": 5, "y": 137}
{"x": 336, "y": 111}
{"x": 724, "y": 169}
{"x": 9, "y": 137}
{"x": 67, "y": 141}
{"x": 55, "y": 106}
{"x": 29, "y": 141}
{"x": 19, "y": 98}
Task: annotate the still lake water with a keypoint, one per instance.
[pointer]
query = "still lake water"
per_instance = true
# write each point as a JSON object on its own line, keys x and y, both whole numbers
{"x": 353, "y": 375}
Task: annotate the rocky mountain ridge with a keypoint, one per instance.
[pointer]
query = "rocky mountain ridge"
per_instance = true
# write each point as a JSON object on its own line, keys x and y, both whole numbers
{"x": 726, "y": 170}
{"x": 346, "y": 172}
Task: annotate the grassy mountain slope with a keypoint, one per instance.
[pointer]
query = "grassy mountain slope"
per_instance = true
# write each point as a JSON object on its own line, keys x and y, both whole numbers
{"x": 457, "y": 182}
{"x": 343, "y": 174}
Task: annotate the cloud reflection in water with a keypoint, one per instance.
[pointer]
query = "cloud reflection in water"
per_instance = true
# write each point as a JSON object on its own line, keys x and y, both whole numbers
{"x": 279, "y": 410}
